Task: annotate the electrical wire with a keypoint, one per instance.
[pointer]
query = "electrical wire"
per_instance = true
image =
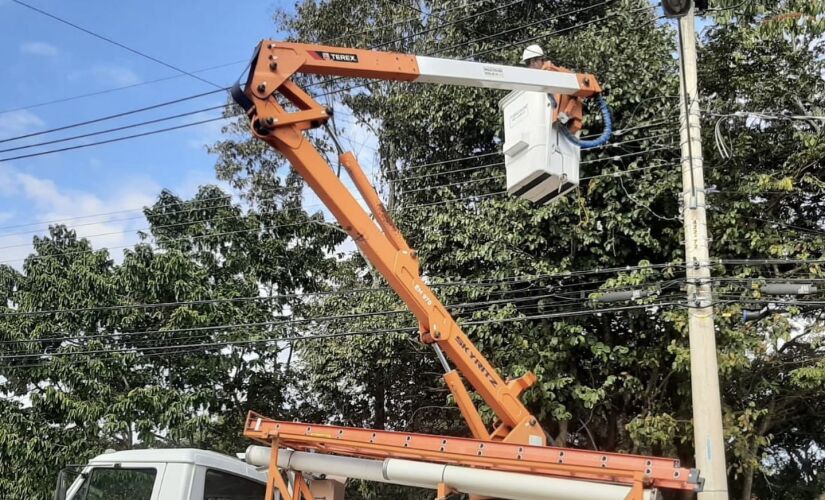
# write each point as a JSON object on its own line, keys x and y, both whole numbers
{"x": 427, "y": 188}
{"x": 115, "y": 115}
{"x": 778, "y": 223}
{"x": 105, "y": 118}
{"x": 446, "y": 24}
{"x": 277, "y": 190}
{"x": 462, "y": 44}
{"x": 470, "y": 307}
{"x": 442, "y": 11}
{"x": 210, "y": 68}
{"x": 395, "y": 330}
{"x": 117, "y": 89}
{"x": 115, "y": 129}
{"x": 522, "y": 27}
{"x": 556, "y": 32}
{"x": 94, "y": 121}
{"x": 113, "y": 42}
{"x": 116, "y": 139}
{"x": 467, "y": 306}
{"x": 173, "y": 212}
{"x": 531, "y": 279}
{"x": 660, "y": 302}
{"x": 495, "y": 164}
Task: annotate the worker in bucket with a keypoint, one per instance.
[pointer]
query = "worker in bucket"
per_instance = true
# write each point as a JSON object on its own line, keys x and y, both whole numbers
{"x": 533, "y": 57}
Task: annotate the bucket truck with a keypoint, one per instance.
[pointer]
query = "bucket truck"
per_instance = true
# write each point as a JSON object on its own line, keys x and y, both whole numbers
{"x": 510, "y": 459}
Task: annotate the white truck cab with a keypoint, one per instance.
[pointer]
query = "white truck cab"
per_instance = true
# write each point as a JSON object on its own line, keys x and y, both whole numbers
{"x": 164, "y": 474}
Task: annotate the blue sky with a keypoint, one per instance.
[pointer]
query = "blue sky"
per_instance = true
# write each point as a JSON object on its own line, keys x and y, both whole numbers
{"x": 44, "y": 60}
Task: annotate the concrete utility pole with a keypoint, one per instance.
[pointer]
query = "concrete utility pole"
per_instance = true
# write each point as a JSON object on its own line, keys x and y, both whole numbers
{"x": 704, "y": 370}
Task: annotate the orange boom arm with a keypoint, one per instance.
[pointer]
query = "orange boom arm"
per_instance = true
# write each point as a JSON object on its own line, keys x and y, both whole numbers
{"x": 379, "y": 240}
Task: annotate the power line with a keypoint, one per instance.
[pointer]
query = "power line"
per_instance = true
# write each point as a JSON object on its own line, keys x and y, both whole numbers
{"x": 283, "y": 322}
{"x": 779, "y": 223}
{"x": 531, "y": 279}
{"x": 88, "y": 122}
{"x": 116, "y": 139}
{"x": 409, "y": 168}
{"x": 210, "y": 344}
{"x": 446, "y": 24}
{"x": 117, "y": 89}
{"x": 442, "y": 11}
{"x": 402, "y": 178}
{"x": 454, "y": 160}
{"x": 495, "y": 164}
{"x": 228, "y": 197}
{"x": 661, "y": 302}
{"x": 115, "y": 129}
{"x": 631, "y": 171}
{"x": 330, "y": 335}
{"x": 439, "y": 50}
{"x": 562, "y": 30}
{"x": 448, "y": 172}
{"x": 452, "y": 184}
{"x": 525, "y": 26}
{"x": 113, "y": 116}
{"x": 474, "y": 197}
{"x": 463, "y": 318}
{"x": 464, "y": 44}
{"x": 113, "y": 42}
{"x": 660, "y": 285}
{"x": 406, "y": 37}
{"x": 119, "y": 114}
{"x": 183, "y": 202}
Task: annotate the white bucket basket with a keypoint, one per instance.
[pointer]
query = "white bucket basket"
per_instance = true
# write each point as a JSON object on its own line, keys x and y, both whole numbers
{"x": 541, "y": 163}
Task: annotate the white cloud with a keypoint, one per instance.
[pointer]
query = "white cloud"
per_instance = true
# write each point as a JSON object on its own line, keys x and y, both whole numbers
{"x": 18, "y": 123}
{"x": 193, "y": 179}
{"x": 107, "y": 74}
{"x": 6, "y": 180}
{"x": 42, "y": 49}
{"x": 115, "y": 74}
{"x": 79, "y": 210}
{"x": 205, "y": 134}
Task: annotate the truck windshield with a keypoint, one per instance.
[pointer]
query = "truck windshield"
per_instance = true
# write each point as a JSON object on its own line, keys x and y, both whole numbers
{"x": 117, "y": 484}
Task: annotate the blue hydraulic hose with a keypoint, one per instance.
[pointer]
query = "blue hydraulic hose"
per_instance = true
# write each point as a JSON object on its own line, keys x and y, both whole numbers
{"x": 606, "y": 133}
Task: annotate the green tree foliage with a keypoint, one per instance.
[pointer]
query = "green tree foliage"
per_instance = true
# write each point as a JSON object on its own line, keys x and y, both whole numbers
{"x": 97, "y": 354}
{"x": 154, "y": 351}
{"x": 610, "y": 381}
{"x": 770, "y": 205}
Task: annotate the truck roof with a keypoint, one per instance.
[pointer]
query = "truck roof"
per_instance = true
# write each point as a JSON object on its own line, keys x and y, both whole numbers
{"x": 181, "y": 455}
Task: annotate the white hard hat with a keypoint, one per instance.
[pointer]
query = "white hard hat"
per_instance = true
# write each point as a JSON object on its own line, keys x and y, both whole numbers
{"x": 530, "y": 52}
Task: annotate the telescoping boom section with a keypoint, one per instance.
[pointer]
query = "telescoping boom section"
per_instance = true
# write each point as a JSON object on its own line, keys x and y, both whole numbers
{"x": 280, "y": 111}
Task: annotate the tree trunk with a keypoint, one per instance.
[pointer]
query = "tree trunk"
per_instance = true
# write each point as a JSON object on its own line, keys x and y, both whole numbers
{"x": 747, "y": 482}
{"x": 747, "y": 485}
{"x": 561, "y": 440}
{"x": 379, "y": 397}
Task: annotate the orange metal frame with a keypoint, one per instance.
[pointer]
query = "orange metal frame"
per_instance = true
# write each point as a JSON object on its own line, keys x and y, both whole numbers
{"x": 382, "y": 244}
{"x": 635, "y": 470}
{"x": 269, "y": 91}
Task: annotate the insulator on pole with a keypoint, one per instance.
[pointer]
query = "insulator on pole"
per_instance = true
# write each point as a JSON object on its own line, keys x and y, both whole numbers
{"x": 624, "y": 295}
{"x": 788, "y": 289}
